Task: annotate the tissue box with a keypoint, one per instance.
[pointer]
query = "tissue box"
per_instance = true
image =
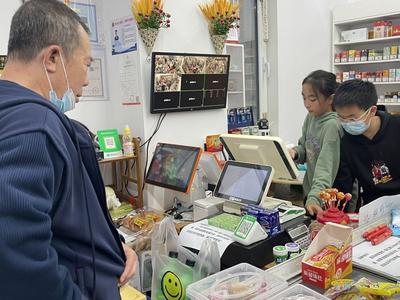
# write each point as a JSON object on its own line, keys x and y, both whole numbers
{"x": 340, "y": 264}
{"x": 355, "y": 35}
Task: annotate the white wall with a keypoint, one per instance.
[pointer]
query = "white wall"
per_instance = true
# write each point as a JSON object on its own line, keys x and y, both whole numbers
{"x": 300, "y": 42}
{"x": 7, "y": 10}
{"x": 188, "y": 33}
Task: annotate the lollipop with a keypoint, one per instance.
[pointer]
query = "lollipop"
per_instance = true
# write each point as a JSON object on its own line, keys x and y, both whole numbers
{"x": 347, "y": 198}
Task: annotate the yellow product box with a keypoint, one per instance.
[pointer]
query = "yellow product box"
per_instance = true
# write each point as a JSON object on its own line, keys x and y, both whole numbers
{"x": 393, "y": 52}
{"x": 129, "y": 293}
{"x": 329, "y": 257}
{"x": 352, "y": 55}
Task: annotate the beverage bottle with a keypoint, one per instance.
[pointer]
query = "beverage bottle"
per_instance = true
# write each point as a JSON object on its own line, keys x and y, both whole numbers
{"x": 127, "y": 144}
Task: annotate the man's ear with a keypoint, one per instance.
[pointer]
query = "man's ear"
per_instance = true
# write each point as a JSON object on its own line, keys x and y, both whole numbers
{"x": 51, "y": 56}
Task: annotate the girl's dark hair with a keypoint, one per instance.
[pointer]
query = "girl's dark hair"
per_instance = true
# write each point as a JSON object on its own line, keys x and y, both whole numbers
{"x": 322, "y": 82}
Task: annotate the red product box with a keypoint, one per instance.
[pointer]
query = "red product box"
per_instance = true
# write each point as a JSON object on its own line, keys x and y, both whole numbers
{"x": 329, "y": 257}
{"x": 343, "y": 56}
{"x": 396, "y": 30}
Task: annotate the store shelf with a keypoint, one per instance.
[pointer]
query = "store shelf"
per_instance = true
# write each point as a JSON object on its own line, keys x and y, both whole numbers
{"x": 357, "y": 20}
{"x": 237, "y": 83}
{"x": 388, "y": 104}
{"x": 386, "y": 83}
{"x": 371, "y": 41}
{"x": 367, "y": 62}
{"x": 235, "y": 92}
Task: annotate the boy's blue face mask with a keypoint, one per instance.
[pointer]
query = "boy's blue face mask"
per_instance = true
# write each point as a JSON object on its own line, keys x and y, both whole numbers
{"x": 68, "y": 100}
{"x": 357, "y": 127}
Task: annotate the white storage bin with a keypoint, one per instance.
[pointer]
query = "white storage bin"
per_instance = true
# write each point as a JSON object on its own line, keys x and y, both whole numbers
{"x": 238, "y": 282}
{"x": 298, "y": 289}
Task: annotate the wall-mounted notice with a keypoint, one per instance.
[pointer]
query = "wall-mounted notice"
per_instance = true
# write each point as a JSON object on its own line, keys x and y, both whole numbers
{"x": 129, "y": 75}
{"x": 97, "y": 88}
{"x": 123, "y": 35}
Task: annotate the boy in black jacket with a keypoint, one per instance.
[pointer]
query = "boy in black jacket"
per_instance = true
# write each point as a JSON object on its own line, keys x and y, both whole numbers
{"x": 370, "y": 145}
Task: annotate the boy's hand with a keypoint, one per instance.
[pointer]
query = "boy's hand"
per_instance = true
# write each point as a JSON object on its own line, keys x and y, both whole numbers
{"x": 313, "y": 209}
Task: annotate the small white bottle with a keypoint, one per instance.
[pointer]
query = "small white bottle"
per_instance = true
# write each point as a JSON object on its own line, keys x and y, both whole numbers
{"x": 127, "y": 144}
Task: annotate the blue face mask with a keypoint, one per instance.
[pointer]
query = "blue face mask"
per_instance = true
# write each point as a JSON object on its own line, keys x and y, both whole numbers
{"x": 68, "y": 100}
{"x": 356, "y": 127}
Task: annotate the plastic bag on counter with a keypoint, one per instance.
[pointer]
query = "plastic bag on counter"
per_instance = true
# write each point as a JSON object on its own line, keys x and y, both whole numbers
{"x": 175, "y": 267}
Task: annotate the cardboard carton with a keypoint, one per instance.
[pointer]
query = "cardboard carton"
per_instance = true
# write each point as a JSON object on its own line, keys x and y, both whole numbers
{"x": 340, "y": 264}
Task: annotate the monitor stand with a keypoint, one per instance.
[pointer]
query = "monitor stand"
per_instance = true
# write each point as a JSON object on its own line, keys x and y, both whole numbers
{"x": 232, "y": 207}
{"x": 197, "y": 191}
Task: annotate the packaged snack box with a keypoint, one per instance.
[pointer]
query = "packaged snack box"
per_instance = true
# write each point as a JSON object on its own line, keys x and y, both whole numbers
{"x": 329, "y": 257}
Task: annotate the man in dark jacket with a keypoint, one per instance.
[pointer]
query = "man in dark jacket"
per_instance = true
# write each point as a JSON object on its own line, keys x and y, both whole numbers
{"x": 56, "y": 238}
{"x": 370, "y": 145}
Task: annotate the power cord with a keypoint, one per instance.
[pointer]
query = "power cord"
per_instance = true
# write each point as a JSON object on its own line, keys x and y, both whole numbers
{"x": 147, "y": 143}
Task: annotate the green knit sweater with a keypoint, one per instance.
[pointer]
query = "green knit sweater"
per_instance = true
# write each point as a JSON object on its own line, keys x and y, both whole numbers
{"x": 319, "y": 147}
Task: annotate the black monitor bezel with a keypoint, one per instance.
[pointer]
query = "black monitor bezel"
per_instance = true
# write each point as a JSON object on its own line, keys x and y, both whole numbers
{"x": 165, "y": 110}
{"x": 250, "y": 166}
{"x": 187, "y": 187}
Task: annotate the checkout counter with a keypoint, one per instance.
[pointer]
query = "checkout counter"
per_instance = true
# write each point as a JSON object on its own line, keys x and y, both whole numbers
{"x": 382, "y": 264}
{"x": 247, "y": 184}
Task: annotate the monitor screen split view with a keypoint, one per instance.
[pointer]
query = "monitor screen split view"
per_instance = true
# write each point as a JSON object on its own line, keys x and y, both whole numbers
{"x": 187, "y": 81}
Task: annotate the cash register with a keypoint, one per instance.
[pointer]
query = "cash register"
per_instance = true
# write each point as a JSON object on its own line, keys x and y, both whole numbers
{"x": 174, "y": 167}
{"x": 244, "y": 184}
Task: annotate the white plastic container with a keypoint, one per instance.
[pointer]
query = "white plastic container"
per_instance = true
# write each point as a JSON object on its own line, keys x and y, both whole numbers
{"x": 238, "y": 282}
{"x": 298, "y": 289}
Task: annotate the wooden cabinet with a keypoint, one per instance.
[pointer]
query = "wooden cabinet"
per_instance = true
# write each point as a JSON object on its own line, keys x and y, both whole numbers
{"x": 123, "y": 175}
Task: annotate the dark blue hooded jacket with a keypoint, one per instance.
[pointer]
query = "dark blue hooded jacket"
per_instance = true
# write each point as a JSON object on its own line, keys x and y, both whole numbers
{"x": 53, "y": 218}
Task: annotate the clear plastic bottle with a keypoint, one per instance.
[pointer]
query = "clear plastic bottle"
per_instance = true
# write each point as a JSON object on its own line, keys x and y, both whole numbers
{"x": 127, "y": 144}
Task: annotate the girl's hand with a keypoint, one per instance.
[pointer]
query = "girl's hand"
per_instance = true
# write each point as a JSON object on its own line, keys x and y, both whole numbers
{"x": 292, "y": 153}
{"x": 313, "y": 209}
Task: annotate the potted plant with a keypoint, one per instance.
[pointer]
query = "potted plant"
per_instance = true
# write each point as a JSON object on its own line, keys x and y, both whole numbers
{"x": 150, "y": 17}
{"x": 222, "y": 16}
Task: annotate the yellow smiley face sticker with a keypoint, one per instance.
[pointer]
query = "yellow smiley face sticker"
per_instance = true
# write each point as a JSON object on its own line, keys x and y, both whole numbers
{"x": 171, "y": 287}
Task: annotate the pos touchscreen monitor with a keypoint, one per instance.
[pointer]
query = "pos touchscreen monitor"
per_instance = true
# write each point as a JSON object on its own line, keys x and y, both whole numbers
{"x": 173, "y": 166}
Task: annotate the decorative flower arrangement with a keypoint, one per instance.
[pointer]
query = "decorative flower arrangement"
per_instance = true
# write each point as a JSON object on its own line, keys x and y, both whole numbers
{"x": 222, "y": 15}
{"x": 150, "y": 17}
{"x": 150, "y": 14}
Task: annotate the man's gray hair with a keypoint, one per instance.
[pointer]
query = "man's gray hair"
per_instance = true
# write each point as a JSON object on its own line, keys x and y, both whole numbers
{"x": 38, "y": 24}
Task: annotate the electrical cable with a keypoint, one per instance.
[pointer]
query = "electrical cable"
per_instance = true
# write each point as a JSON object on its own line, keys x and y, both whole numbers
{"x": 159, "y": 122}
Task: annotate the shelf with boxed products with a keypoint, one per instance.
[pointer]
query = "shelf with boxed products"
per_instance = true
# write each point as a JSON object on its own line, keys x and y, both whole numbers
{"x": 366, "y": 45}
{"x": 369, "y": 41}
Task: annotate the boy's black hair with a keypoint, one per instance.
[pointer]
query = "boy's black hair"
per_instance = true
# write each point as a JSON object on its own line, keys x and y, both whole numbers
{"x": 355, "y": 92}
{"x": 322, "y": 82}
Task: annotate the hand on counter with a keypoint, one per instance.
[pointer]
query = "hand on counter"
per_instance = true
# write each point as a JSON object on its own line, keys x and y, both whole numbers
{"x": 313, "y": 209}
{"x": 130, "y": 265}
